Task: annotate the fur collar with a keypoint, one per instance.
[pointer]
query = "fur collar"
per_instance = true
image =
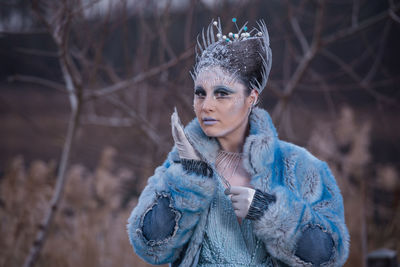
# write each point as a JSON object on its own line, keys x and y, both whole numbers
{"x": 258, "y": 148}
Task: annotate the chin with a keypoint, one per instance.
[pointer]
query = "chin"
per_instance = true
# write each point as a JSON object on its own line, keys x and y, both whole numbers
{"x": 211, "y": 131}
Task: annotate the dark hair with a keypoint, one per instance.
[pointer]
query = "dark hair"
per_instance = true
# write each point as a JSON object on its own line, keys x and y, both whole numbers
{"x": 248, "y": 59}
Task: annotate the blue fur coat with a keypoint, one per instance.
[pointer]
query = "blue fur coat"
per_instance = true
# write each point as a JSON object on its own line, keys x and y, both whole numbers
{"x": 304, "y": 226}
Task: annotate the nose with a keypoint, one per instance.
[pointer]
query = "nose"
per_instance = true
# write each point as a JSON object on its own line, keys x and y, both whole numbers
{"x": 208, "y": 103}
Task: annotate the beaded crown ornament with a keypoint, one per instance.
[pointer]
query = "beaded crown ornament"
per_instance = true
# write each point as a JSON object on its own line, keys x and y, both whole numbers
{"x": 219, "y": 50}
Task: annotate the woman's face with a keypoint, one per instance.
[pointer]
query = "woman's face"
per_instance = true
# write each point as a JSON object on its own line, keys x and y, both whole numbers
{"x": 221, "y": 103}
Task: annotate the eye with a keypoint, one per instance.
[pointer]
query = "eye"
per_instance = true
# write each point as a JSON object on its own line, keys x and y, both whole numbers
{"x": 200, "y": 93}
{"x": 222, "y": 92}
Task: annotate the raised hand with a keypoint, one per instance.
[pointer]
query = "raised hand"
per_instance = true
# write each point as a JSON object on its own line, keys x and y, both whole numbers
{"x": 185, "y": 149}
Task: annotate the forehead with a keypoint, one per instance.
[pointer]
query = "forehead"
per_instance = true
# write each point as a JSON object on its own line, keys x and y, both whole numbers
{"x": 208, "y": 77}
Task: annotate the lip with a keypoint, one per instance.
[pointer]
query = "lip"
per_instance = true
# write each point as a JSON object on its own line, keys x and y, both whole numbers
{"x": 209, "y": 121}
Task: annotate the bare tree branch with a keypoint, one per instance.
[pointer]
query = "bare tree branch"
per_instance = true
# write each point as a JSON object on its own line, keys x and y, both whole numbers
{"x": 299, "y": 34}
{"x": 38, "y": 81}
{"x": 60, "y": 36}
{"x": 90, "y": 64}
{"x": 326, "y": 90}
{"x": 356, "y": 77}
{"x": 286, "y": 65}
{"x": 108, "y": 121}
{"x": 297, "y": 30}
{"x": 143, "y": 124}
{"x": 355, "y": 12}
{"x": 273, "y": 86}
{"x": 319, "y": 42}
{"x": 346, "y": 86}
{"x": 162, "y": 32}
{"x": 28, "y": 32}
{"x": 57, "y": 194}
{"x": 378, "y": 58}
{"x": 188, "y": 24}
{"x": 36, "y": 52}
{"x": 361, "y": 26}
{"x": 302, "y": 67}
{"x": 138, "y": 78}
{"x": 394, "y": 16}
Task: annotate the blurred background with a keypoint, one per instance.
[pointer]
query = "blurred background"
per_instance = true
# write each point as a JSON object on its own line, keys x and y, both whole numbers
{"x": 88, "y": 87}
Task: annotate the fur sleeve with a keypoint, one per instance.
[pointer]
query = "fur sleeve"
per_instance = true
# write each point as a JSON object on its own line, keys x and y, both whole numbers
{"x": 305, "y": 225}
{"x": 189, "y": 195}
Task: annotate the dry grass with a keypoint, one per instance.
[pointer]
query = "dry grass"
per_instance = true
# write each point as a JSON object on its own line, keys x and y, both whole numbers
{"x": 89, "y": 229}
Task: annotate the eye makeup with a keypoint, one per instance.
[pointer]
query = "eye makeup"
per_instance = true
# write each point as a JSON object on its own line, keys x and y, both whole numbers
{"x": 223, "y": 92}
{"x": 199, "y": 91}
{"x": 223, "y": 89}
{"x": 219, "y": 92}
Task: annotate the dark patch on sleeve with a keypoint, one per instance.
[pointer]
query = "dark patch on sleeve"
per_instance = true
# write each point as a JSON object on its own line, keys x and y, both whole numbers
{"x": 315, "y": 246}
{"x": 159, "y": 222}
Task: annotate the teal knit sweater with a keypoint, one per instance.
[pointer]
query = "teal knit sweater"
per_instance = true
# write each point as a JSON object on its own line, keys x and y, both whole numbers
{"x": 228, "y": 243}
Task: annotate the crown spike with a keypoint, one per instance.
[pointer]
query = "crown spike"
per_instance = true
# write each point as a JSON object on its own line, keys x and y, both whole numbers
{"x": 212, "y": 33}
{"x": 243, "y": 27}
{"x": 208, "y": 36}
{"x": 204, "y": 39}
{"x": 199, "y": 45}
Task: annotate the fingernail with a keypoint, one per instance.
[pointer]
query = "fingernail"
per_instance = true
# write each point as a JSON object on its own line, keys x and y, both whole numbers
{"x": 227, "y": 191}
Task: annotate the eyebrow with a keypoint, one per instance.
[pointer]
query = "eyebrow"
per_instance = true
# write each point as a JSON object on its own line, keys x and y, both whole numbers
{"x": 199, "y": 88}
{"x": 216, "y": 88}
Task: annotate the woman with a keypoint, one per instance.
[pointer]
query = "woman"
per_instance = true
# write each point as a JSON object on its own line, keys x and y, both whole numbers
{"x": 230, "y": 192}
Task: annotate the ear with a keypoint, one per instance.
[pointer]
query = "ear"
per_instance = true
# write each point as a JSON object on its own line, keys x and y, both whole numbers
{"x": 254, "y": 97}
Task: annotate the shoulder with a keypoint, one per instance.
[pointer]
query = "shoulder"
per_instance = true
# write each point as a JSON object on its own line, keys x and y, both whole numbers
{"x": 304, "y": 172}
{"x": 298, "y": 154}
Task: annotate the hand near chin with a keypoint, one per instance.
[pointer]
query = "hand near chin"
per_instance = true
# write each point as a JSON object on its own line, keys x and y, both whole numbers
{"x": 185, "y": 149}
{"x": 241, "y": 198}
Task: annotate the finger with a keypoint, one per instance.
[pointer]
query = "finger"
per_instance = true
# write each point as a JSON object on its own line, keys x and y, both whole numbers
{"x": 237, "y": 190}
{"x": 235, "y": 198}
{"x": 235, "y": 206}
{"x": 177, "y": 130}
{"x": 180, "y": 133}
{"x": 174, "y": 133}
{"x": 176, "y": 119}
{"x": 173, "y": 125}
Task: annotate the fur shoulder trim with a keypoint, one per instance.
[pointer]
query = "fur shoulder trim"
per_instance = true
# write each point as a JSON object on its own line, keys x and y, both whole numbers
{"x": 261, "y": 145}
{"x": 262, "y": 137}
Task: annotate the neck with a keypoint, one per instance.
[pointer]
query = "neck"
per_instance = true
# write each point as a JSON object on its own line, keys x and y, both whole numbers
{"x": 234, "y": 141}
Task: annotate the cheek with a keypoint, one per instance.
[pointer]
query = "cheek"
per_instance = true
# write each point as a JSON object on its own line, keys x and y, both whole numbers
{"x": 196, "y": 108}
{"x": 236, "y": 109}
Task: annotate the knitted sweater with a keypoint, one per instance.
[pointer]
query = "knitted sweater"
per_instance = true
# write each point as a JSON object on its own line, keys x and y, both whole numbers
{"x": 228, "y": 243}
{"x": 297, "y": 210}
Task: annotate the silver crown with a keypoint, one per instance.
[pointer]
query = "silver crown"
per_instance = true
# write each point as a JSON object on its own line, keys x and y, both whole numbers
{"x": 209, "y": 46}
{"x": 240, "y": 35}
